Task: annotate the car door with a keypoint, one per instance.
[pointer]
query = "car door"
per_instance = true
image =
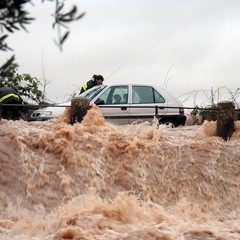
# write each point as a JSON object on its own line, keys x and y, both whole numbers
{"x": 143, "y": 101}
{"x": 113, "y": 103}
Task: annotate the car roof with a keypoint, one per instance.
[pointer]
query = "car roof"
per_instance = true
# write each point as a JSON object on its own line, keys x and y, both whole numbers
{"x": 142, "y": 84}
{"x": 133, "y": 84}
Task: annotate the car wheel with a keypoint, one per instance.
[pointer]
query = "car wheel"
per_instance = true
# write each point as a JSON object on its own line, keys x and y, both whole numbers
{"x": 169, "y": 123}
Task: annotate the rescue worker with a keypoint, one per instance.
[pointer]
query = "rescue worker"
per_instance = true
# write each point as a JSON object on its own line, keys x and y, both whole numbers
{"x": 96, "y": 80}
{"x": 9, "y": 96}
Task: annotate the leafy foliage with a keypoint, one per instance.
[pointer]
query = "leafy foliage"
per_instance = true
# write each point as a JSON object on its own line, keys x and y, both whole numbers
{"x": 63, "y": 18}
{"x": 26, "y": 85}
{"x": 13, "y": 17}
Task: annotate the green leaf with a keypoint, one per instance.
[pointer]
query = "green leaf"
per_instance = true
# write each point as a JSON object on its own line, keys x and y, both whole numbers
{"x": 65, "y": 36}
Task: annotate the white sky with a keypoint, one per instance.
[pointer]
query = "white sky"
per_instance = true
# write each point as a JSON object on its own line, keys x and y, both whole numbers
{"x": 183, "y": 45}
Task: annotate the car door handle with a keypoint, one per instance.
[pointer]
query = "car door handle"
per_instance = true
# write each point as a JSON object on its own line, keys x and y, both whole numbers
{"x": 123, "y": 108}
{"x": 161, "y": 108}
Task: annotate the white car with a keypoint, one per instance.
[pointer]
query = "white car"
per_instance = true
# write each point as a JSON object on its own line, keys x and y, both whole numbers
{"x": 125, "y": 104}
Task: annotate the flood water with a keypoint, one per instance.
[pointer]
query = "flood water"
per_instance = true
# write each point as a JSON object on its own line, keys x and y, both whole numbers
{"x": 94, "y": 180}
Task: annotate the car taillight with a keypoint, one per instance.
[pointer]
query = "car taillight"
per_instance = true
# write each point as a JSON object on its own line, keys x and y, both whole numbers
{"x": 181, "y": 111}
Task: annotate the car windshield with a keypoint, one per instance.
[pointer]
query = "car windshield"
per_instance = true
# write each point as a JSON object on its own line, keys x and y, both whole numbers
{"x": 92, "y": 92}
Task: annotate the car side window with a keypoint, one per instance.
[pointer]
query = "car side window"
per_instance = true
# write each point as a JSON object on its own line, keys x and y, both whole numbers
{"x": 103, "y": 98}
{"x": 145, "y": 94}
{"x": 114, "y": 95}
{"x": 142, "y": 94}
{"x": 158, "y": 98}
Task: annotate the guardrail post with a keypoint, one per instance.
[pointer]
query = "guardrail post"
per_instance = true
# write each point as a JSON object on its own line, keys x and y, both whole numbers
{"x": 79, "y": 106}
{"x": 156, "y": 112}
{"x": 225, "y": 120}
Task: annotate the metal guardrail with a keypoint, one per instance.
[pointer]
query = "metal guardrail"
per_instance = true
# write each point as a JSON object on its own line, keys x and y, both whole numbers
{"x": 110, "y": 106}
{"x": 105, "y": 106}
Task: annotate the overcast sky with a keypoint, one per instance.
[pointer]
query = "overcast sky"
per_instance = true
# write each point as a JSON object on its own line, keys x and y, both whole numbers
{"x": 182, "y": 45}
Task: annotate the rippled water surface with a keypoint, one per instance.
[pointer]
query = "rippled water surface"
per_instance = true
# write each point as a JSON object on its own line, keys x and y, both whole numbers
{"x": 94, "y": 180}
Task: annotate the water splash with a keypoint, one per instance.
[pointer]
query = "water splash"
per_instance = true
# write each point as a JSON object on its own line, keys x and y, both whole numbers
{"x": 94, "y": 180}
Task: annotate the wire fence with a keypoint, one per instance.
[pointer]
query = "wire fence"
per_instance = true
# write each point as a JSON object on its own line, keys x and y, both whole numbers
{"x": 212, "y": 96}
